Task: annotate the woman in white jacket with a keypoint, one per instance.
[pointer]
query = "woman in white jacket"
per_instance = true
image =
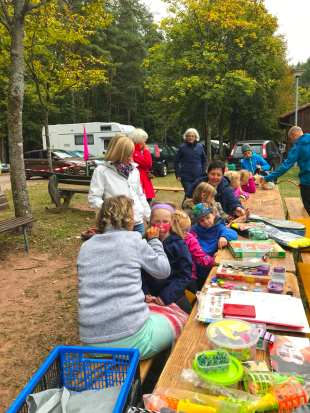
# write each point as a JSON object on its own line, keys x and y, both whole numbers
{"x": 118, "y": 175}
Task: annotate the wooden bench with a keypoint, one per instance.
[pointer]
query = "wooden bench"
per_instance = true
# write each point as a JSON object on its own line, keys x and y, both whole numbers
{"x": 145, "y": 366}
{"x": 66, "y": 194}
{"x": 168, "y": 188}
{"x": 13, "y": 223}
{"x": 295, "y": 209}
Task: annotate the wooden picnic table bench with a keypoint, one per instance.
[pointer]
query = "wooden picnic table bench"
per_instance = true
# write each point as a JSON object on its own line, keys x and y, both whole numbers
{"x": 168, "y": 188}
{"x": 57, "y": 193}
{"x": 295, "y": 208}
{"x": 193, "y": 339}
{"x": 13, "y": 222}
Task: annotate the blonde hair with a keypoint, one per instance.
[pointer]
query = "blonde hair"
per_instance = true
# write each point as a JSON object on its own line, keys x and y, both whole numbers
{"x": 175, "y": 228}
{"x": 232, "y": 175}
{"x": 180, "y": 215}
{"x": 295, "y": 129}
{"x": 138, "y": 135}
{"x": 116, "y": 211}
{"x": 120, "y": 147}
{"x": 244, "y": 174}
{"x": 203, "y": 188}
{"x": 189, "y": 131}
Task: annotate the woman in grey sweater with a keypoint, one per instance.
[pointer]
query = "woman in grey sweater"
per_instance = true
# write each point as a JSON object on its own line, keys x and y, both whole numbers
{"x": 112, "y": 310}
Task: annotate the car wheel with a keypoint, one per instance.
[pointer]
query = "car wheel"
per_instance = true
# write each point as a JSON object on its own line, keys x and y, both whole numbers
{"x": 163, "y": 170}
{"x": 27, "y": 175}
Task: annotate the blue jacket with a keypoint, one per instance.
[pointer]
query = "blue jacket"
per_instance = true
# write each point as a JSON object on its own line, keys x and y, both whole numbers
{"x": 193, "y": 161}
{"x": 172, "y": 288}
{"x": 300, "y": 153}
{"x": 225, "y": 194}
{"x": 250, "y": 163}
{"x": 208, "y": 239}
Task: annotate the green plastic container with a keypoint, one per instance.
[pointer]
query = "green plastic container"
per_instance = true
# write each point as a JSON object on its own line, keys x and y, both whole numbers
{"x": 220, "y": 368}
{"x": 228, "y": 378}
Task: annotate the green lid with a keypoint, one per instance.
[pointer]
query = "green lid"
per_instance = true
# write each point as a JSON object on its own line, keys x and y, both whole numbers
{"x": 232, "y": 376}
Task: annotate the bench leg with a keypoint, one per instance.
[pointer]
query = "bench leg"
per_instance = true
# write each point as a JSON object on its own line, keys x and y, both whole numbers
{"x": 26, "y": 239}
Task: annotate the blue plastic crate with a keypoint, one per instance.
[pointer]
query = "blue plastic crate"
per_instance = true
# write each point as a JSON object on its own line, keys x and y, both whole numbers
{"x": 85, "y": 368}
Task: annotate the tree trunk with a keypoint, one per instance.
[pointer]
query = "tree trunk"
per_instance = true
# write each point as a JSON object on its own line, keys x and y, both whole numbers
{"x": 73, "y": 106}
{"x": 15, "y": 108}
{"x": 208, "y": 133}
{"x": 2, "y": 150}
{"x": 221, "y": 135}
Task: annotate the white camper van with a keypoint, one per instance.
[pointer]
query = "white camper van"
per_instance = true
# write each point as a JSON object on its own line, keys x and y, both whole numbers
{"x": 71, "y": 136}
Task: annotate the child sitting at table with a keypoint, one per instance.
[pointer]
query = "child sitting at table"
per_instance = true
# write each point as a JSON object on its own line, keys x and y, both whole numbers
{"x": 247, "y": 181}
{"x": 235, "y": 184}
{"x": 204, "y": 192}
{"x": 212, "y": 235}
{"x": 193, "y": 246}
{"x": 172, "y": 289}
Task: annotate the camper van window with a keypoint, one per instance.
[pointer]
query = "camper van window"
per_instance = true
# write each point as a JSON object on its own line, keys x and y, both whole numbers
{"x": 79, "y": 139}
{"x": 106, "y": 144}
{"x": 104, "y": 128}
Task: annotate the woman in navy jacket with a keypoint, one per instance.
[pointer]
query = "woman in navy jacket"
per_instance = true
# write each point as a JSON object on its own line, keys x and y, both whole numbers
{"x": 192, "y": 157}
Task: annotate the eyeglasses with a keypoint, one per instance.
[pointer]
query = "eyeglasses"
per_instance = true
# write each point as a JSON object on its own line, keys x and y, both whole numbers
{"x": 185, "y": 231}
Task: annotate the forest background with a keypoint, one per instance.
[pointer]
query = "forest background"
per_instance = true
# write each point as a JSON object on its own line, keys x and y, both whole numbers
{"x": 215, "y": 65}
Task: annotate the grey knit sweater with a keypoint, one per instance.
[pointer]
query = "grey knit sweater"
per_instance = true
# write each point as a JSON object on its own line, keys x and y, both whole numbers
{"x": 111, "y": 301}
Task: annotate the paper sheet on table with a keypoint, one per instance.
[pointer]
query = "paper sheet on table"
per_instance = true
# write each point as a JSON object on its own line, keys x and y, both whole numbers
{"x": 281, "y": 310}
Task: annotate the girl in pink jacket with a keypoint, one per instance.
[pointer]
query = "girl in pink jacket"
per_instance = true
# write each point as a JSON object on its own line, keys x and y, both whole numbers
{"x": 193, "y": 246}
{"x": 235, "y": 184}
{"x": 247, "y": 181}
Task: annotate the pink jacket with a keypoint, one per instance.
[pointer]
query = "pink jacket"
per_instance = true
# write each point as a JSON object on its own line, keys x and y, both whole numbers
{"x": 238, "y": 193}
{"x": 197, "y": 254}
{"x": 250, "y": 187}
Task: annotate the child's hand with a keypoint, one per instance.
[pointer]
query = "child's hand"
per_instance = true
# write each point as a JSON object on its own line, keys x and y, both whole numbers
{"x": 148, "y": 298}
{"x": 222, "y": 242}
{"x": 241, "y": 192}
{"x": 251, "y": 175}
{"x": 258, "y": 166}
{"x": 159, "y": 301}
{"x": 152, "y": 232}
{"x": 216, "y": 254}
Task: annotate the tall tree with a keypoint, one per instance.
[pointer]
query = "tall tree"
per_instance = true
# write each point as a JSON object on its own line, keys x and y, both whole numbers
{"x": 12, "y": 17}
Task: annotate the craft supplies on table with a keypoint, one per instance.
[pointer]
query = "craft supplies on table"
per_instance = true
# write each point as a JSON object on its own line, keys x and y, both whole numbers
{"x": 210, "y": 304}
{"x": 238, "y": 337}
{"x": 243, "y": 271}
{"x": 255, "y": 247}
{"x": 282, "y": 310}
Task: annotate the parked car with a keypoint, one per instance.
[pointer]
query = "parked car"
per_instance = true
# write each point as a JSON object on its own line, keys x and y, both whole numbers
{"x": 162, "y": 156}
{"x": 80, "y": 154}
{"x": 267, "y": 149}
{"x": 5, "y": 167}
{"x": 37, "y": 160}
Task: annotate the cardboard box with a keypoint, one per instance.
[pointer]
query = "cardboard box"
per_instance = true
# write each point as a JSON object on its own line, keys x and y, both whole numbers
{"x": 235, "y": 247}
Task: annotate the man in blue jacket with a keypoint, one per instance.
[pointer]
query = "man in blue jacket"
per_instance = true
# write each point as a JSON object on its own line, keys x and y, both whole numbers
{"x": 225, "y": 194}
{"x": 300, "y": 153}
{"x": 252, "y": 161}
{"x": 192, "y": 157}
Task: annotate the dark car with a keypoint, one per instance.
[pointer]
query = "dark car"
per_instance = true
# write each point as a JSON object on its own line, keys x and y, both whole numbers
{"x": 268, "y": 150}
{"x": 162, "y": 156}
{"x": 36, "y": 162}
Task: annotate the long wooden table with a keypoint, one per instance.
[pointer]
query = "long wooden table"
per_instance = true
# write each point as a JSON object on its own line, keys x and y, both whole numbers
{"x": 267, "y": 203}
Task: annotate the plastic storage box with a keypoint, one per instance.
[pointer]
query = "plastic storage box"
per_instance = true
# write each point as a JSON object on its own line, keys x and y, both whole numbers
{"x": 86, "y": 368}
{"x": 215, "y": 368}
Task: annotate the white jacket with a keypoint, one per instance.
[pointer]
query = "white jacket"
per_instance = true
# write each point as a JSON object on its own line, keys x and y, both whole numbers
{"x": 107, "y": 182}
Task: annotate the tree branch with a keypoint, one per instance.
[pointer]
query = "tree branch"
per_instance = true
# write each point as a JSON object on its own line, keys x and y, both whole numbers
{"x": 36, "y": 6}
{"x": 6, "y": 20}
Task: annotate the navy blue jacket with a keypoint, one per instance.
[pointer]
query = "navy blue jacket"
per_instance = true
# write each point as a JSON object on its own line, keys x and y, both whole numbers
{"x": 208, "y": 240}
{"x": 225, "y": 194}
{"x": 172, "y": 288}
{"x": 300, "y": 153}
{"x": 193, "y": 161}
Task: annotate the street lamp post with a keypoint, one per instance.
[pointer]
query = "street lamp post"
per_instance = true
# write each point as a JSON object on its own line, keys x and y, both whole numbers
{"x": 297, "y": 72}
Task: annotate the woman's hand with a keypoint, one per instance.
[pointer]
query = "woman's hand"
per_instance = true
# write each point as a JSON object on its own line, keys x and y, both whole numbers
{"x": 146, "y": 147}
{"x": 148, "y": 298}
{"x": 152, "y": 232}
{"x": 239, "y": 212}
{"x": 178, "y": 178}
{"x": 222, "y": 242}
{"x": 159, "y": 302}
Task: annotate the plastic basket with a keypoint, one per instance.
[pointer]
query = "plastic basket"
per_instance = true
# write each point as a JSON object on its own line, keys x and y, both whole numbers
{"x": 86, "y": 368}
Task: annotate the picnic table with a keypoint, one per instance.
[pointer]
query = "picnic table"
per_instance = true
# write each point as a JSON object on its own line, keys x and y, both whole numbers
{"x": 267, "y": 203}
{"x": 193, "y": 339}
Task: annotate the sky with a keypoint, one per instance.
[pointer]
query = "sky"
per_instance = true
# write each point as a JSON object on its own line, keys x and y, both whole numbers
{"x": 293, "y": 20}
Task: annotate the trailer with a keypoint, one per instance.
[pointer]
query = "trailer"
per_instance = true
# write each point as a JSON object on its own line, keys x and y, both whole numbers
{"x": 71, "y": 136}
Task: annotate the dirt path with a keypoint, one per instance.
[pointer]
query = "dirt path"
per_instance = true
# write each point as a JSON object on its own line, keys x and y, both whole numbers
{"x": 5, "y": 182}
{"x": 38, "y": 310}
